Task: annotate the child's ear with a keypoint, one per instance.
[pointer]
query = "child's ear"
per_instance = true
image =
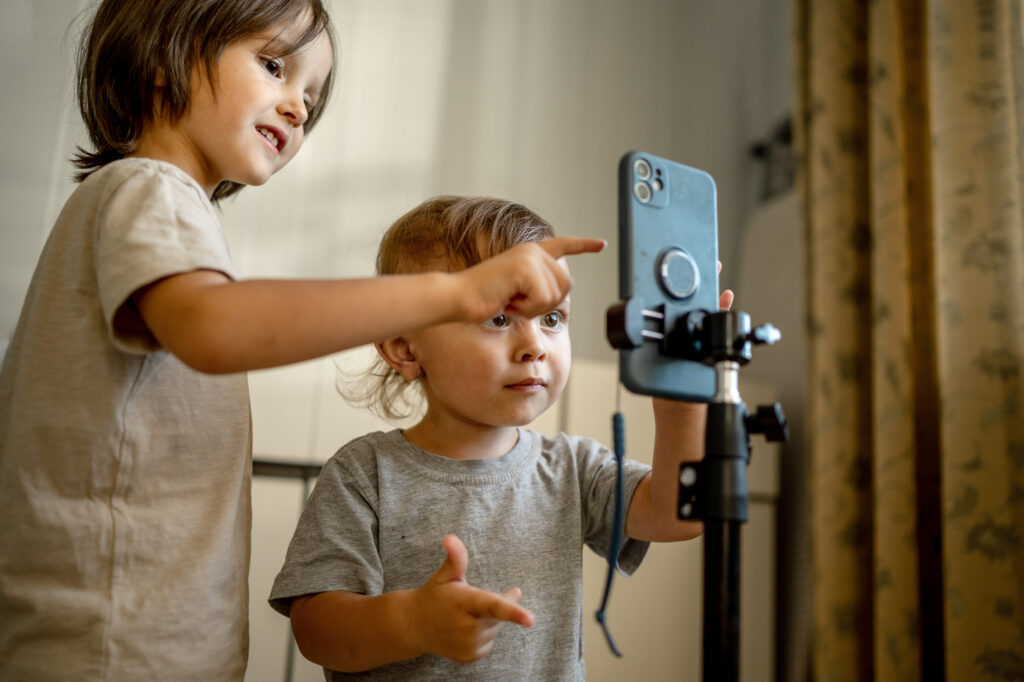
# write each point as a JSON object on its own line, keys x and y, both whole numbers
{"x": 397, "y": 353}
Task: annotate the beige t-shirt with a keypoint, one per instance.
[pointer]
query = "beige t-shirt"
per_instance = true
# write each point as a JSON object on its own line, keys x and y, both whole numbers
{"x": 124, "y": 475}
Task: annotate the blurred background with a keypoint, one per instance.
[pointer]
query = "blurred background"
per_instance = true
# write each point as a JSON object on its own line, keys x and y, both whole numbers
{"x": 867, "y": 157}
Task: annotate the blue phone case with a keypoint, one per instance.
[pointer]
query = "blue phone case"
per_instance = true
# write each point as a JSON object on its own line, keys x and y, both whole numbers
{"x": 668, "y": 254}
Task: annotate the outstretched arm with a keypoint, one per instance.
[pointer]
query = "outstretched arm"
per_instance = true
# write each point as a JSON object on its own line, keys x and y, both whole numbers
{"x": 445, "y": 616}
{"x": 678, "y": 437}
{"x": 217, "y": 325}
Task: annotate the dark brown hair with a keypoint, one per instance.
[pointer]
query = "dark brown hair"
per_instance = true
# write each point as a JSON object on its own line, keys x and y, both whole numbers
{"x": 130, "y": 44}
{"x": 446, "y": 233}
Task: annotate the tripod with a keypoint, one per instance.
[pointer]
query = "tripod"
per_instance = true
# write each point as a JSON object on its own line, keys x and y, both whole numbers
{"x": 714, "y": 489}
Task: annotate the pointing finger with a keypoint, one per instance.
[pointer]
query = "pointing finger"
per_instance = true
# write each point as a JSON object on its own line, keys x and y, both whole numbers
{"x": 568, "y": 246}
{"x": 498, "y": 607}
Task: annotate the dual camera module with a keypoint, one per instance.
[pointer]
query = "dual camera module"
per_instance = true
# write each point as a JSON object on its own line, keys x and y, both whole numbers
{"x": 648, "y": 181}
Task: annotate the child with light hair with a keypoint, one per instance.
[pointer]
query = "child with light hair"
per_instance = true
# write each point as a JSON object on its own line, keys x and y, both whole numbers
{"x": 453, "y": 549}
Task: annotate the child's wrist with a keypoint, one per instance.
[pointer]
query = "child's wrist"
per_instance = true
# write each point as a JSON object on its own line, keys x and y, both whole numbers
{"x": 406, "y": 613}
{"x": 433, "y": 293}
{"x": 466, "y": 295}
{"x": 677, "y": 407}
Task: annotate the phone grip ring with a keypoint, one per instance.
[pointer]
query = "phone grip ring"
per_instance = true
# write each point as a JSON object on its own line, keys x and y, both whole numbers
{"x": 678, "y": 273}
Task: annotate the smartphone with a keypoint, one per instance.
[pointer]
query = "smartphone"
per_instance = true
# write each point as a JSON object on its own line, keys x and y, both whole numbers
{"x": 668, "y": 260}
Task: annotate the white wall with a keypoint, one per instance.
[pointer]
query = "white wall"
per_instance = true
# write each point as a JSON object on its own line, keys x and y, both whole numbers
{"x": 533, "y": 100}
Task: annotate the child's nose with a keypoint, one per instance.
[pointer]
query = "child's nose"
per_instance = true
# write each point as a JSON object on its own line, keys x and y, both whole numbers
{"x": 531, "y": 347}
{"x": 293, "y": 107}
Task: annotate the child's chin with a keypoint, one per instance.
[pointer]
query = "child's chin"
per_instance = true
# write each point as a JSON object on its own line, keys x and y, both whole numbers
{"x": 256, "y": 181}
{"x": 525, "y": 420}
{"x": 256, "y": 177}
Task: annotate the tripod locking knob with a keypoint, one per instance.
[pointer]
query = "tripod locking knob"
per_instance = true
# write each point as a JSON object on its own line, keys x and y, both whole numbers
{"x": 769, "y": 420}
{"x": 764, "y": 334}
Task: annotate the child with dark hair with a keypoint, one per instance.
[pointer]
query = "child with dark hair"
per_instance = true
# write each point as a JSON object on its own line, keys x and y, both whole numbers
{"x": 125, "y": 441}
{"x": 417, "y": 547}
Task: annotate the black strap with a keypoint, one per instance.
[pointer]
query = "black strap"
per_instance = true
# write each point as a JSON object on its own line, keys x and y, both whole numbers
{"x": 619, "y": 438}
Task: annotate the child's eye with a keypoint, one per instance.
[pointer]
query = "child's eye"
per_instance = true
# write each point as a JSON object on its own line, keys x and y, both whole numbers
{"x": 553, "y": 320}
{"x": 273, "y": 66}
{"x": 497, "y": 322}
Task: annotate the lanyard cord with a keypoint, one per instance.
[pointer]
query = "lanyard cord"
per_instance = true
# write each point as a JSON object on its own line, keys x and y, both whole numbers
{"x": 619, "y": 440}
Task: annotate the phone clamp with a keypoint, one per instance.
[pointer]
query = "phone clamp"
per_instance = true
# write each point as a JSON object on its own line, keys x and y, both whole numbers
{"x": 685, "y": 333}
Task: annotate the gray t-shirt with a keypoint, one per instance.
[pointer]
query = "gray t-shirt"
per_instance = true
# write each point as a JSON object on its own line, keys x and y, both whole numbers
{"x": 381, "y": 506}
{"x": 124, "y": 475}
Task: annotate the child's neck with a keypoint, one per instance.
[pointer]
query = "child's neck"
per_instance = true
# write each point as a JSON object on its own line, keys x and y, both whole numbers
{"x": 461, "y": 440}
{"x": 162, "y": 142}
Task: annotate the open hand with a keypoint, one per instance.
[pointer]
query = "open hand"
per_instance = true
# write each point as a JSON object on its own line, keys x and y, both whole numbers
{"x": 455, "y": 620}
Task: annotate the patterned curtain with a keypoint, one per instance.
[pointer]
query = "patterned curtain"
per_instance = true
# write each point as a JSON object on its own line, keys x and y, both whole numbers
{"x": 911, "y": 134}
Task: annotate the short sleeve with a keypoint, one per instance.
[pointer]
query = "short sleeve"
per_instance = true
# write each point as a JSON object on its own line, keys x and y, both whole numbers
{"x": 155, "y": 222}
{"x": 335, "y": 542}
{"x": 597, "y": 471}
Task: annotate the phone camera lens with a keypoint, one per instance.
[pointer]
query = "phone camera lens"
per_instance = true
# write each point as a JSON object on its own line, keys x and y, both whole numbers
{"x": 642, "y": 191}
{"x": 642, "y": 169}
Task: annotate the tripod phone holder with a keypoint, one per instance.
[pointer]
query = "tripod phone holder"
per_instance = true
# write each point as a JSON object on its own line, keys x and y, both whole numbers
{"x": 712, "y": 490}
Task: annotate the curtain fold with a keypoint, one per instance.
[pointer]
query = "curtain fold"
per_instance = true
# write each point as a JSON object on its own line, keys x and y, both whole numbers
{"x": 910, "y": 133}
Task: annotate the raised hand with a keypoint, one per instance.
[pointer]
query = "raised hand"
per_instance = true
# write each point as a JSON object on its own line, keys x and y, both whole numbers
{"x": 453, "y": 619}
{"x": 528, "y": 279}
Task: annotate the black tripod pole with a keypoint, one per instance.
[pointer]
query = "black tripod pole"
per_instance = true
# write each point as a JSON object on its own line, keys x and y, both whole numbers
{"x": 725, "y": 472}
{"x": 726, "y": 340}
{"x": 712, "y": 490}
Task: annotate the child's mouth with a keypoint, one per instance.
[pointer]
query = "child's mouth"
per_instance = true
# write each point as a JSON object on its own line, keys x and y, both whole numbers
{"x": 270, "y": 137}
{"x": 528, "y": 385}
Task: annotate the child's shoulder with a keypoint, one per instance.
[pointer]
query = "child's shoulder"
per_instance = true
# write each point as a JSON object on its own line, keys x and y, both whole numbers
{"x": 142, "y": 172}
{"x": 363, "y": 452}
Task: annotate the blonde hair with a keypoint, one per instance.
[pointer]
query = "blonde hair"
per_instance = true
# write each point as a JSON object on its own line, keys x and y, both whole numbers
{"x": 446, "y": 233}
